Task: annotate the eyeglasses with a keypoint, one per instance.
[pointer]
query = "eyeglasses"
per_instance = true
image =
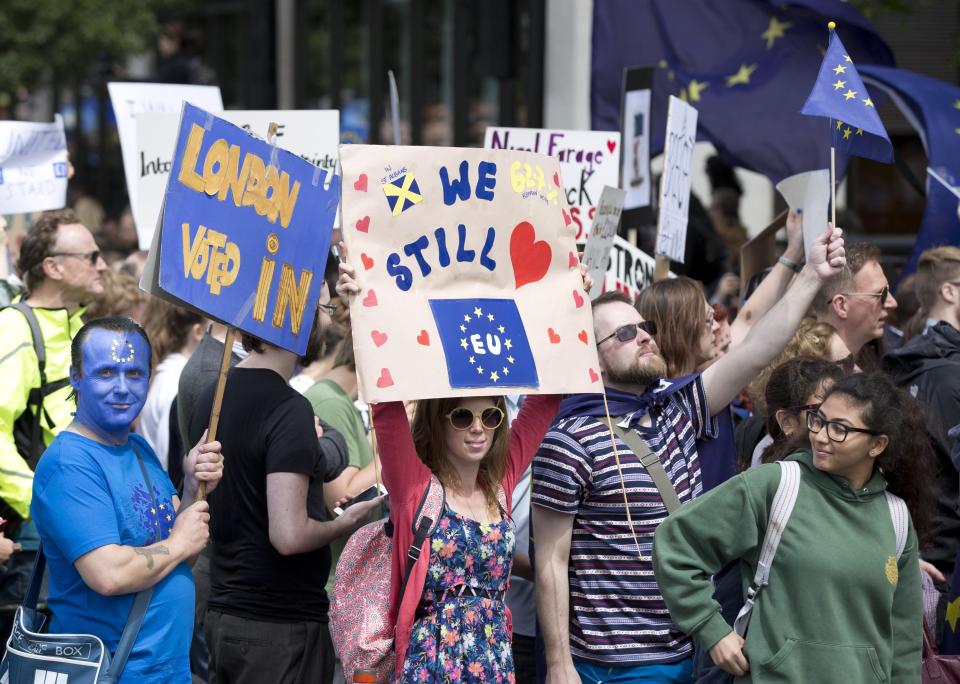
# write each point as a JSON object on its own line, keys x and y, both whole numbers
{"x": 881, "y": 295}
{"x": 462, "y": 418}
{"x": 805, "y": 408}
{"x": 837, "y": 432}
{"x": 628, "y": 332}
{"x": 329, "y": 308}
{"x": 92, "y": 257}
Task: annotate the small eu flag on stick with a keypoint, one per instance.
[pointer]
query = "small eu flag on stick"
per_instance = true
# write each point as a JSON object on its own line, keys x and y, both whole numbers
{"x": 840, "y": 95}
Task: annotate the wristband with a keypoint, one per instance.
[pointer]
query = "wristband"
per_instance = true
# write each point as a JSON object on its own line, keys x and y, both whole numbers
{"x": 792, "y": 265}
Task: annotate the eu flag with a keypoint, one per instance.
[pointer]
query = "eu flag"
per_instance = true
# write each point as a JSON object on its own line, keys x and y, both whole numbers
{"x": 840, "y": 95}
{"x": 742, "y": 63}
{"x": 484, "y": 343}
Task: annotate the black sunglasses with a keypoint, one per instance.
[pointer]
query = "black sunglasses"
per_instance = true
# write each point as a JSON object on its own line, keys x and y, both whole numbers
{"x": 461, "y": 418}
{"x": 628, "y": 332}
{"x": 92, "y": 257}
{"x": 837, "y": 432}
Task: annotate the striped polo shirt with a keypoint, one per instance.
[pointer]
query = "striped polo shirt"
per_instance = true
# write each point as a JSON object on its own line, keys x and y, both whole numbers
{"x": 617, "y": 615}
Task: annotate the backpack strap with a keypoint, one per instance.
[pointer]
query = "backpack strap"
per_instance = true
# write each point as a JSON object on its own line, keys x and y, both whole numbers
{"x": 425, "y": 521}
{"x": 900, "y": 518}
{"x": 37, "y": 336}
{"x": 651, "y": 463}
{"x": 783, "y": 502}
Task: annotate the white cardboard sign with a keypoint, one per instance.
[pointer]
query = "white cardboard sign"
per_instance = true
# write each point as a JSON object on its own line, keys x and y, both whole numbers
{"x": 589, "y": 160}
{"x": 600, "y": 240}
{"x": 675, "y": 184}
{"x": 809, "y": 192}
{"x": 33, "y": 166}
{"x": 629, "y": 269}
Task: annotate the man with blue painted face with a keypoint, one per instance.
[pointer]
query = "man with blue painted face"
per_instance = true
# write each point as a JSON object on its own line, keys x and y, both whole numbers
{"x": 108, "y": 515}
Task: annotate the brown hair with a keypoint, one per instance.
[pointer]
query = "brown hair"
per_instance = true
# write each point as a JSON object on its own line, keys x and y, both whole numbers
{"x": 121, "y": 292}
{"x": 38, "y": 244}
{"x": 167, "y": 326}
{"x": 429, "y": 426}
{"x": 677, "y": 306}
{"x": 936, "y": 267}
{"x": 612, "y": 296}
{"x": 314, "y": 343}
{"x": 812, "y": 340}
{"x": 858, "y": 256}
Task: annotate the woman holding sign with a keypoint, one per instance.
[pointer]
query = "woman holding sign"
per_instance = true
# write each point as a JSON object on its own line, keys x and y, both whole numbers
{"x": 452, "y": 623}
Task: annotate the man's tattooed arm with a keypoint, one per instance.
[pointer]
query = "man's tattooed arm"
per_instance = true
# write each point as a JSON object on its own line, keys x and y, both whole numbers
{"x": 149, "y": 552}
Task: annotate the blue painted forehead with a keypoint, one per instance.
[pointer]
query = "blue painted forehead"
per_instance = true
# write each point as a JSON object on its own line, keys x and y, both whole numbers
{"x": 114, "y": 346}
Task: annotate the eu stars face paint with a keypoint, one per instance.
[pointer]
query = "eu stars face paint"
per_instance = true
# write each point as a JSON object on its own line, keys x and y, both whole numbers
{"x": 113, "y": 386}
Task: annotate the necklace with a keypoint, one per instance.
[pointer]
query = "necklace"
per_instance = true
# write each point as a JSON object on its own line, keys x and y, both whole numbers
{"x": 466, "y": 502}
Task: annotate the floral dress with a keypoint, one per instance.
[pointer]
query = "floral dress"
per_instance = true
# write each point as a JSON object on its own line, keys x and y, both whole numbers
{"x": 460, "y": 632}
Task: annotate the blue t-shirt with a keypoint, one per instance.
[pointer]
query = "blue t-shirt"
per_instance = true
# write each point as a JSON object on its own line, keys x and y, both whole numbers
{"x": 87, "y": 495}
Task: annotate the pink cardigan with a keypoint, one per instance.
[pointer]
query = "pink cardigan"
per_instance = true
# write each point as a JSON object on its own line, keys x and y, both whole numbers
{"x": 406, "y": 477}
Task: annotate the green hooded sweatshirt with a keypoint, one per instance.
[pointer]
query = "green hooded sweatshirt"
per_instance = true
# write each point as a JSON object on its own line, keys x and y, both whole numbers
{"x": 839, "y": 606}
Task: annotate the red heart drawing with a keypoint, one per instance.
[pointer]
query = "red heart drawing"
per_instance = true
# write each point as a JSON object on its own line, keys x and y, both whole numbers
{"x": 577, "y": 299}
{"x": 367, "y": 261}
{"x": 379, "y": 338}
{"x": 554, "y": 337}
{"x": 370, "y": 299}
{"x": 593, "y": 376}
{"x": 363, "y": 225}
{"x": 530, "y": 258}
{"x": 583, "y": 336}
{"x": 424, "y": 338}
{"x": 385, "y": 379}
{"x": 611, "y": 145}
{"x": 556, "y": 180}
{"x": 361, "y": 183}
{"x": 573, "y": 262}
{"x": 566, "y": 217}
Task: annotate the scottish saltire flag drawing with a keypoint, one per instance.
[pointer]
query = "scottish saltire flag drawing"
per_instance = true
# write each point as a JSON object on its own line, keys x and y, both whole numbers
{"x": 484, "y": 342}
{"x": 840, "y": 95}
{"x": 469, "y": 278}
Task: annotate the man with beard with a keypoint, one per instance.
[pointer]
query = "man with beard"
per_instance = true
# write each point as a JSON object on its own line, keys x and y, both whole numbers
{"x": 597, "y": 506}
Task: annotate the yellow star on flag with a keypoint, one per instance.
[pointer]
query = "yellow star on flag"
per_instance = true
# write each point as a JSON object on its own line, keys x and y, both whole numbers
{"x": 662, "y": 64}
{"x": 846, "y": 132}
{"x": 850, "y": 94}
{"x": 956, "y": 105}
{"x": 742, "y": 76}
{"x": 846, "y": 58}
{"x": 867, "y": 102}
{"x": 859, "y": 131}
{"x": 839, "y": 124}
{"x": 839, "y": 69}
{"x": 953, "y": 612}
{"x": 957, "y": 131}
{"x": 839, "y": 85}
{"x": 494, "y": 376}
{"x": 776, "y": 29}
{"x": 692, "y": 92}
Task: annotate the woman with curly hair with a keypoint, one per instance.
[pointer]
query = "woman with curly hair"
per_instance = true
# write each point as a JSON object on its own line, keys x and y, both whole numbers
{"x": 840, "y": 606}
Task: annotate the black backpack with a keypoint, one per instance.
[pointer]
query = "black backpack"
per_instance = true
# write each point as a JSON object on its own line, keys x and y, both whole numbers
{"x": 27, "y": 429}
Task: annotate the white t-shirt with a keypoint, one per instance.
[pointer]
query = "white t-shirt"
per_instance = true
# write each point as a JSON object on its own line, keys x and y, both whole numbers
{"x": 154, "y": 421}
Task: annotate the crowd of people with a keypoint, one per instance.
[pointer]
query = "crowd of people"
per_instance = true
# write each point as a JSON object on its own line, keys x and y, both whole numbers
{"x": 590, "y": 538}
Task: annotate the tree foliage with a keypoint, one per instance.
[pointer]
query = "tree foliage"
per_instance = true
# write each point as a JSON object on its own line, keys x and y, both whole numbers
{"x": 67, "y": 38}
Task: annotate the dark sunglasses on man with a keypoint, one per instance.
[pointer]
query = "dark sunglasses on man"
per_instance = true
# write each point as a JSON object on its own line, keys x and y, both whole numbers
{"x": 91, "y": 257}
{"x": 628, "y": 332}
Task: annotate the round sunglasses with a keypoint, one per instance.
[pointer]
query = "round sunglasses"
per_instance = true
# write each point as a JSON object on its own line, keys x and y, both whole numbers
{"x": 462, "y": 418}
{"x": 628, "y": 332}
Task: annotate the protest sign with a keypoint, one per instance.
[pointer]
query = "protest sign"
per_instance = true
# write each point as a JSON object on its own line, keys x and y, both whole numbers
{"x": 313, "y": 135}
{"x": 629, "y": 269}
{"x": 469, "y": 279}
{"x": 600, "y": 240}
{"x": 131, "y": 99}
{"x": 33, "y": 166}
{"x": 637, "y": 91}
{"x": 589, "y": 160}
{"x": 808, "y": 192}
{"x": 244, "y": 232}
{"x": 675, "y": 183}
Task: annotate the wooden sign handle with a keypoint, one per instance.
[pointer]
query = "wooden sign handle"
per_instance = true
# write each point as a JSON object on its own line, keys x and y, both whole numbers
{"x": 218, "y": 395}
{"x": 662, "y": 268}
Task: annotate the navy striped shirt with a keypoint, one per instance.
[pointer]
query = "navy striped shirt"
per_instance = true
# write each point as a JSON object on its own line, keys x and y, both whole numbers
{"x": 617, "y": 615}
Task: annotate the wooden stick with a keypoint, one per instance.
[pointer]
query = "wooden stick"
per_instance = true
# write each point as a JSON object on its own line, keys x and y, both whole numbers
{"x": 218, "y": 395}
{"x": 661, "y": 268}
{"x": 833, "y": 186}
{"x": 616, "y": 457}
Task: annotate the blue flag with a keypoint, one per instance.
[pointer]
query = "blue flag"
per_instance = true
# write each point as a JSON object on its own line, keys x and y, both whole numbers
{"x": 484, "y": 343}
{"x": 933, "y": 108}
{"x": 840, "y": 95}
{"x": 743, "y": 66}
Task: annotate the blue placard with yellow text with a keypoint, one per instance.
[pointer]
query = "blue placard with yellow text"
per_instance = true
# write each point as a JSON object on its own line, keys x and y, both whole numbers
{"x": 246, "y": 230}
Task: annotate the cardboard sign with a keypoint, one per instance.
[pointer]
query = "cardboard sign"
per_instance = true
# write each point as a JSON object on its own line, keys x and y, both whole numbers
{"x": 470, "y": 283}
{"x": 131, "y": 99}
{"x": 810, "y": 193}
{"x": 589, "y": 160}
{"x": 629, "y": 269}
{"x": 244, "y": 232}
{"x": 33, "y": 166}
{"x": 675, "y": 184}
{"x": 600, "y": 240}
{"x": 313, "y": 135}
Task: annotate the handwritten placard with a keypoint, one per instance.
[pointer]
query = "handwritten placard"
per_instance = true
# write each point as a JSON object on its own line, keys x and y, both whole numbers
{"x": 244, "y": 232}
{"x": 600, "y": 240}
{"x": 589, "y": 160}
{"x": 675, "y": 184}
{"x": 470, "y": 282}
{"x": 629, "y": 268}
{"x": 313, "y": 135}
{"x": 33, "y": 166}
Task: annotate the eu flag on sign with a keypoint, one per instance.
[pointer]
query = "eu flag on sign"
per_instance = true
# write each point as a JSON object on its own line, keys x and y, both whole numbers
{"x": 839, "y": 95}
{"x": 484, "y": 343}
